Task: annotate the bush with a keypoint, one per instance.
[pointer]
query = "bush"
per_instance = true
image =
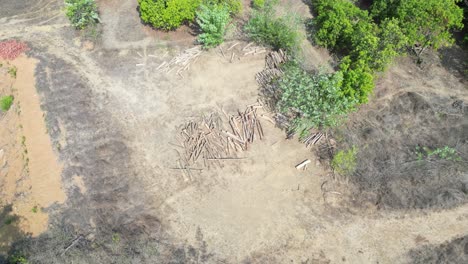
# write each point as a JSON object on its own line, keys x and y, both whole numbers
{"x": 335, "y": 22}
{"x": 316, "y": 99}
{"x": 234, "y": 6}
{"x": 424, "y": 23}
{"x": 6, "y": 102}
{"x": 168, "y": 14}
{"x": 279, "y": 33}
{"x": 358, "y": 80}
{"x": 345, "y": 162}
{"x": 213, "y": 21}
{"x": 258, "y": 4}
{"x": 82, "y": 13}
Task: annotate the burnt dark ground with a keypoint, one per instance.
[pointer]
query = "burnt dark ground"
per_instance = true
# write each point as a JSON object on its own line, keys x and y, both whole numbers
{"x": 388, "y": 167}
{"x": 454, "y": 251}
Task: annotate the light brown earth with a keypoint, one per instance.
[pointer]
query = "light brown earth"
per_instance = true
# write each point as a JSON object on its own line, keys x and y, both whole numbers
{"x": 30, "y": 172}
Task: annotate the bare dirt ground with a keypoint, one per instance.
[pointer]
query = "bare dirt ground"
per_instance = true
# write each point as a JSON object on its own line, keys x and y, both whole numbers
{"x": 112, "y": 115}
{"x": 30, "y": 173}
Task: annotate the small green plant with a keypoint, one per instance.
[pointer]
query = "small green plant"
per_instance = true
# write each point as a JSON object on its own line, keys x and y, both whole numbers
{"x": 82, "y": 13}
{"x": 234, "y": 6}
{"x": 213, "y": 21}
{"x": 265, "y": 28}
{"x": 23, "y": 141}
{"x": 6, "y": 102}
{"x": 10, "y": 219}
{"x": 12, "y": 71}
{"x": 345, "y": 161}
{"x": 258, "y": 4}
{"x": 168, "y": 14}
{"x": 35, "y": 209}
{"x": 115, "y": 238}
{"x": 17, "y": 258}
{"x": 445, "y": 153}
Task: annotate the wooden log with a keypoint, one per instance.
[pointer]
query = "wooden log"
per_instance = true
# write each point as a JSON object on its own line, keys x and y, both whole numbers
{"x": 302, "y": 164}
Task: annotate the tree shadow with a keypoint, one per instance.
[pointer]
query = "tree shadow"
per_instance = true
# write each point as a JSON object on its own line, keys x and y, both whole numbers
{"x": 455, "y": 60}
{"x": 10, "y": 232}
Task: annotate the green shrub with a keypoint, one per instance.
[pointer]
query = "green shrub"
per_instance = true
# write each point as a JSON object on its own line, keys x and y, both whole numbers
{"x": 316, "y": 98}
{"x": 345, "y": 161}
{"x": 168, "y": 14}
{"x": 277, "y": 32}
{"x": 234, "y": 6}
{"x": 358, "y": 80}
{"x": 6, "y": 102}
{"x": 213, "y": 21}
{"x": 82, "y": 13}
{"x": 446, "y": 153}
{"x": 424, "y": 23}
{"x": 258, "y": 4}
{"x": 12, "y": 71}
{"x": 17, "y": 258}
{"x": 335, "y": 22}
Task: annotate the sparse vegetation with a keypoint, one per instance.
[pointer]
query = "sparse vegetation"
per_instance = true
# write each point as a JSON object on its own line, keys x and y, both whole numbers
{"x": 345, "y": 161}
{"x": 266, "y": 28}
{"x": 17, "y": 258}
{"x": 6, "y": 102}
{"x": 213, "y": 21}
{"x": 258, "y": 4}
{"x": 12, "y": 71}
{"x": 444, "y": 153}
{"x": 82, "y": 13}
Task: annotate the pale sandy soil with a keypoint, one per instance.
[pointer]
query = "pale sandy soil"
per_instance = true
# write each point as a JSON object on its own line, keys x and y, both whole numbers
{"x": 30, "y": 175}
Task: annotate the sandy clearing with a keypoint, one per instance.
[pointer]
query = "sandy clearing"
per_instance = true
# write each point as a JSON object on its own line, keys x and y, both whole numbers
{"x": 32, "y": 178}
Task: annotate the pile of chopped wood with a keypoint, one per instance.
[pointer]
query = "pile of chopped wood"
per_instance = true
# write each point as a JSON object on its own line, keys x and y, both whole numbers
{"x": 181, "y": 62}
{"x": 245, "y": 128}
{"x": 11, "y": 49}
{"x": 237, "y": 52}
{"x": 313, "y": 138}
{"x": 271, "y": 72}
{"x": 208, "y": 140}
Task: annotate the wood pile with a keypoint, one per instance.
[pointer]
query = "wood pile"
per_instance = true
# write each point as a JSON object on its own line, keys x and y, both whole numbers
{"x": 11, "y": 49}
{"x": 234, "y": 51}
{"x": 181, "y": 62}
{"x": 245, "y": 127}
{"x": 313, "y": 138}
{"x": 272, "y": 71}
{"x": 208, "y": 140}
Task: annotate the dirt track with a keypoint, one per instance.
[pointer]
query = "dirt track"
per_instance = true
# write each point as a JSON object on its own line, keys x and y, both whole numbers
{"x": 114, "y": 121}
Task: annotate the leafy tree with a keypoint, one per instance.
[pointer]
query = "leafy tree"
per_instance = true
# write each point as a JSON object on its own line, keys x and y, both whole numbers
{"x": 82, "y": 13}
{"x": 168, "y": 14}
{"x": 213, "y": 21}
{"x": 425, "y": 23}
{"x": 358, "y": 80}
{"x": 392, "y": 43}
{"x": 277, "y": 32}
{"x": 316, "y": 99}
{"x": 335, "y": 22}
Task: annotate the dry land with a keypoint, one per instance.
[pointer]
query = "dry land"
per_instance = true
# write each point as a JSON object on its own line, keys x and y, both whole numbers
{"x": 88, "y": 170}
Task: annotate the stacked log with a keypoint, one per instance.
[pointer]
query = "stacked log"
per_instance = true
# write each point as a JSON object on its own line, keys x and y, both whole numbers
{"x": 206, "y": 139}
